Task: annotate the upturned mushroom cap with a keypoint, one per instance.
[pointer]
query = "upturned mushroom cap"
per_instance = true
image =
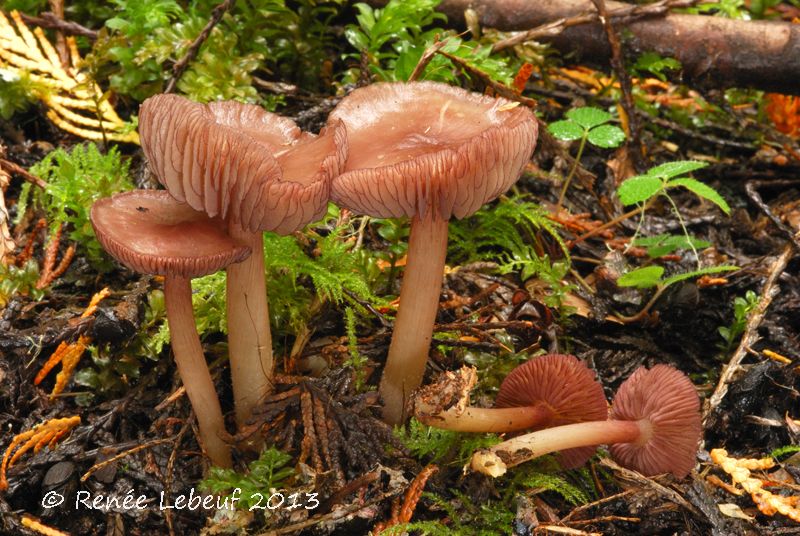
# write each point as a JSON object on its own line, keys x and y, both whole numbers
{"x": 420, "y": 146}
{"x": 567, "y": 387}
{"x": 152, "y": 233}
{"x": 240, "y": 162}
{"x": 666, "y": 398}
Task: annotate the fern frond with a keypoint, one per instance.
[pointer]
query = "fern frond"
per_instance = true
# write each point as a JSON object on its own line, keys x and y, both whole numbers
{"x": 76, "y": 104}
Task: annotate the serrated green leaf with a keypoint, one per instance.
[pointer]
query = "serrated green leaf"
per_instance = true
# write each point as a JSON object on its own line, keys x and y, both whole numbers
{"x": 646, "y": 277}
{"x": 669, "y": 170}
{"x": 588, "y": 116}
{"x": 606, "y": 136}
{"x": 702, "y": 190}
{"x": 566, "y": 130}
{"x": 638, "y": 189}
{"x": 697, "y": 273}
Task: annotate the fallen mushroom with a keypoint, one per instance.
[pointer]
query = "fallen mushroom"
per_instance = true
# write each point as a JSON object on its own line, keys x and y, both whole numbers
{"x": 427, "y": 151}
{"x": 546, "y": 391}
{"x": 654, "y": 428}
{"x": 152, "y": 233}
{"x": 258, "y": 172}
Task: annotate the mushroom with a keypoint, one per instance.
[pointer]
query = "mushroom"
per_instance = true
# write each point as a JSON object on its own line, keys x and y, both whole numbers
{"x": 654, "y": 428}
{"x": 427, "y": 151}
{"x": 546, "y": 391}
{"x": 258, "y": 172}
{"x": 152, "y": 233}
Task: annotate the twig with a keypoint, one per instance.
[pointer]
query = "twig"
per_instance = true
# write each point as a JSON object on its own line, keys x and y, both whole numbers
{"x": 170, "y": 468}
{"x": 11, "y": 167}
{"x": 182, "y": 64}
{"x": 124, "y": 454}
{"x": 426, "y": 58}
{"x": 626, "y": 15}
{"x": 651, "y": 484}
{"x": 755, "y": 197}
{"x": 57, "y": 6}
{"x": 51, "y": 21}
{"x": 618, "y": 65}
{"x": 750, "y": 336}
{"x": 501, "y": 89}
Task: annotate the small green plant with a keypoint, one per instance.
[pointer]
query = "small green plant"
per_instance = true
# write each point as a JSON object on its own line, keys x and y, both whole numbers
{"x": 75, "y": 180}
{"x": 653, "y": 64}
{"x": 16, "y": 280}
{"x": 644, "y": 189}
{"x": 742, "y": 307}
{"x": 510, "y": 232}
{"x": 783, "y": 451}
{"x": 270, "y": 471}
{"x": 17, "y": 92}
{"x": 394, "y": 38}
{"x": 434, "y": 445}
{"x": 652, "y": 276}
{"x": 356, "y": 361}
{"x": 587, "y": 124}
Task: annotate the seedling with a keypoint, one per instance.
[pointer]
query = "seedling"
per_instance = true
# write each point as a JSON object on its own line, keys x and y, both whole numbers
{"x": 585, "y": 124}
{"x": 742, "y": 307}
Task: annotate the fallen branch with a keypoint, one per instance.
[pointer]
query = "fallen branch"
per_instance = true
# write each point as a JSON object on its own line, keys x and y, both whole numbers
{"x": 714, "y": 51}
{"x": 750, "y": 336}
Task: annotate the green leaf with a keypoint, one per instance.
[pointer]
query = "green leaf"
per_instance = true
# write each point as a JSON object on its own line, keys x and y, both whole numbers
{"x": 638, "y": 189}
{"x": 655, "y": 64}
{"x": 606, "y": 136}
{"x": 697, "y": 273}
{"x": 664, "y": 244}
{"x": 702, "y": 190}
{"x": 566, "y": 130}
{"x": 588, "y": 116}
{"x": 674, "y": 169}
{"x": 646, "y": 277}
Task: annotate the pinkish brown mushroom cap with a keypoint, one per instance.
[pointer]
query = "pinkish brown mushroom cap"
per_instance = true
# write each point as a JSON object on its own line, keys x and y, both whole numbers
{"x": 152, "y": 233}
{"x": 666, "y": 398}
{"x": 422, "y": 146}
{"x": 565, "y": 385}
{"x": 240, "y": 162}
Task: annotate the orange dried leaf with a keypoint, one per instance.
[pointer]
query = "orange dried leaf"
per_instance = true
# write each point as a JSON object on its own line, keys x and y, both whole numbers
{"x": 522, "y": 77}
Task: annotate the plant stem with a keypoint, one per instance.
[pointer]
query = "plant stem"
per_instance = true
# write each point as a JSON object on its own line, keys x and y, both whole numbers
{"x": 615, "y": 221}
{"x": 496, "y": 460}
{"x": 249, "y": 337}
{"x": 193, "y": 369}
{"x": 489, "y": 420}
{"x": 572, "y": 171}
{"x": 416, "y": 314}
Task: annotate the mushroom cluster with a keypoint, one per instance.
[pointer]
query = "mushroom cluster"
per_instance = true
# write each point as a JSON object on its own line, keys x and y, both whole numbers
{"x": 654, "y": 427}
{"x": 423, "y": 150}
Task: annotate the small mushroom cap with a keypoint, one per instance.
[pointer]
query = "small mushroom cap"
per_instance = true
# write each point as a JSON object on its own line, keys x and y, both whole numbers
{"x": 151, "y": 233}
{"x": 565, "y": 385}
{"x": 421, "y": 146}
{"x": 240, "y": 162}
{"x": 666, "y": 398}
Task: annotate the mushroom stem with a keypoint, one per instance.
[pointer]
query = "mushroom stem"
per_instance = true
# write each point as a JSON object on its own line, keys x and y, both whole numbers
{"x": 416, "y": 314}
{"x": 249, "y": 337}
{"x": 490, "y": 420}
{"x": 193, "y": 369}
{"x": 496, "y": 460}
